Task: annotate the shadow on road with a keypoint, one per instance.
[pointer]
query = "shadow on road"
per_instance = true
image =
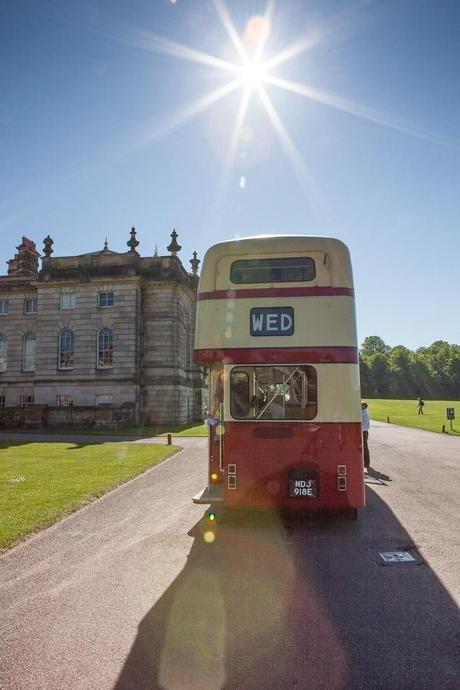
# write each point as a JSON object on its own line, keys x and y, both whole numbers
{"x": 373, "y": 476}
{"x": 298, "y": 604}
{"x": 9, "y": 441}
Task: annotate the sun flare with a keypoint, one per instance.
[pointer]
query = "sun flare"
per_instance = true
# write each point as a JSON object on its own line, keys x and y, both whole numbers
{"x": 253, "y": 74}
{"x": 251, "y": 70}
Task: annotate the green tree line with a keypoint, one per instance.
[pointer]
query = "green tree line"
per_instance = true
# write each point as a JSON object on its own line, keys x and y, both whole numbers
{"x": 396, "y": 372}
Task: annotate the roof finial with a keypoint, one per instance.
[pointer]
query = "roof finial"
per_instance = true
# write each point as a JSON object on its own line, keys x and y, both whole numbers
{"x": 133, "y": 242}
{"x": 174, "y": 247}
{"x": 195, "y": 263}
{"x": 106, "y": 243}
{"x": 156, "y": 250}
{"x": 48, "y": 248}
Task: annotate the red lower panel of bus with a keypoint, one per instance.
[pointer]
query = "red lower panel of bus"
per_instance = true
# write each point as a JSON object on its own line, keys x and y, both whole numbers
{"x": 292, "y": 465}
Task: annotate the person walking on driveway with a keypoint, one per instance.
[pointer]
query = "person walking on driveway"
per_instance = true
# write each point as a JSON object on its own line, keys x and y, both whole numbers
{"x": 365, "y": 424}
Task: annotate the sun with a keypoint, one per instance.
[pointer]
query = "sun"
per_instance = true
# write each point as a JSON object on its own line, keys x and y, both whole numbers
{"x": 252, "y": 74}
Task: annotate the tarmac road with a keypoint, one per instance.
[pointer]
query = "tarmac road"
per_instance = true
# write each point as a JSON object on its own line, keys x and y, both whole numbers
{"x": 126, "y": 593}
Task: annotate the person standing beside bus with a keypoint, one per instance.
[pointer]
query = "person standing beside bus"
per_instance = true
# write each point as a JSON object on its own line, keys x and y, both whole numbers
{"x": 365, "y": 424}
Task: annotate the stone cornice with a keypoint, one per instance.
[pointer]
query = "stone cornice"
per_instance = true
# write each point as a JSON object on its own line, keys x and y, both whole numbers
{"x": 91, "y": 267}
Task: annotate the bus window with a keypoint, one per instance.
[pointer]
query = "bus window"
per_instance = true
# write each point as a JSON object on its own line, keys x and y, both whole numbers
{"x": 240, "y": 402}
{"x": 269, "y": 392}
{"x": 282, "y": 270}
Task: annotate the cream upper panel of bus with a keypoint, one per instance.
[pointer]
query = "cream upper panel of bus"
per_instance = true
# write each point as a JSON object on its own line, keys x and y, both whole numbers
{"x": 331, "y": 257}
{"x": 317, "y": 321}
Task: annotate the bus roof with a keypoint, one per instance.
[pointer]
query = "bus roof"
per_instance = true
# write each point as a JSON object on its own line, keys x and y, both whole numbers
{"x": 334, "y": 252}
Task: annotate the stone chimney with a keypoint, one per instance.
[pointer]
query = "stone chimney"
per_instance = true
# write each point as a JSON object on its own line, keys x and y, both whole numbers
{"x": 25, "y": 262}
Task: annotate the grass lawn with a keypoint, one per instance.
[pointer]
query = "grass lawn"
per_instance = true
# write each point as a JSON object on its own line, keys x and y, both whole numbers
{"x": 405, "y": 413}
{"x": 42, "y": 482}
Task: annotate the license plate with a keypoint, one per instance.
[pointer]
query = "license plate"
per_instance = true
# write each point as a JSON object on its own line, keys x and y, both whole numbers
{"x": 303, "y": 488}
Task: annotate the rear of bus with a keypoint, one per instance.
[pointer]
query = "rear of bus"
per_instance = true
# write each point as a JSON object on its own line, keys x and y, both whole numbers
{"x": 276, "y": 327}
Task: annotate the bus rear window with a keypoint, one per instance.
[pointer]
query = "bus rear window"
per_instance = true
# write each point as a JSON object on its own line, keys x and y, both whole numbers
{"x": 292, "y": 269}
{"x": 274, "y": 392}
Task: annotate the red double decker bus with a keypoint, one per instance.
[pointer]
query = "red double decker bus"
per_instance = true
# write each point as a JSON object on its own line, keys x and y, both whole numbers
{"x": 276, "y": 326}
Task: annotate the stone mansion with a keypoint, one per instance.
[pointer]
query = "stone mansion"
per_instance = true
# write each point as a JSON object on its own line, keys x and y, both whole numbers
{"x": 101, "y": 339}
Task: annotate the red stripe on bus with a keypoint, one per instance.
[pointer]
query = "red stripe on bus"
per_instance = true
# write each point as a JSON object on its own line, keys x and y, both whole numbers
{"x": 279, "y": 355}
{"x": 277, "y": 292}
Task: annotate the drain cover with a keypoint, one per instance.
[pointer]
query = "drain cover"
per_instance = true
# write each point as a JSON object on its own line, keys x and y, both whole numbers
{"x": 397, "y": 557}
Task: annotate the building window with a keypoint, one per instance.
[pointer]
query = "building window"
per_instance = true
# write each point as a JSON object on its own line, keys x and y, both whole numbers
{"x": 66, "y": 349}
{"x": 26, "y": 400}
{"x": 105, "y": 299}
{"x": 64, "y": 401}
{"x": 105, "y": 348}
{"x": 2, "y": 353}
{"x": 4, "y": 306}
{"x": 29, "y": 353}
{"x": 104, "y": 399}
{"x": 30, "y": 305}
{"x": 67, "y": 300}
{"x": 2, "y": 401}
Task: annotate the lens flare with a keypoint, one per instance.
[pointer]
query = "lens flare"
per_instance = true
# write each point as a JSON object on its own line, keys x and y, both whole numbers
{"x": 253, "y": 74}
{"x": 250, "y": 70}
{"x": 257, "y": 30}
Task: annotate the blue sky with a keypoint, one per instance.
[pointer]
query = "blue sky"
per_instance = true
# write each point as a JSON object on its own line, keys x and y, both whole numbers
{"x": 96, "y": 136}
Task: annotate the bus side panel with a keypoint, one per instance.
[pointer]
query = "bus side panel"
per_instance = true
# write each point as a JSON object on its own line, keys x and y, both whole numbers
{"x": 261, "y": 458}
{"x": 215, "y": 475}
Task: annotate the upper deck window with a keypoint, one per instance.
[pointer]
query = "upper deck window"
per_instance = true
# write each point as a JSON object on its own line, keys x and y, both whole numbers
{"x": 292, "y": 269}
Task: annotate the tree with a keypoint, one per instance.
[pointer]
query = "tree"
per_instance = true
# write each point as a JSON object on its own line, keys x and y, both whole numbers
{"x": 380, "y": 375}
{"x": 373, "y": 344}
{"x": 421, "y": 378}
{"x": 400, "y": 361}
{"x": 439, "y": 356}
{"x": 430, "y": 372}
{"x": 365, "y": 378}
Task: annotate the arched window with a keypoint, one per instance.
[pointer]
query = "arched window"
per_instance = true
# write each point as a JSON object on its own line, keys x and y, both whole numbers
{"x": 29, "y": 352}
{"x": 66, "y": 349}
{"x": 105, "y": 348}
{"x": 2, "y": 352}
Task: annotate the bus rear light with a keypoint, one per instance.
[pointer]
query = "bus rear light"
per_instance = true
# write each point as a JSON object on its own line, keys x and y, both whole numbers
{"x": 231, "y": 481}
{"x": 341, "y": 470}
{"x": 231, "y": 469}
{"x": 342, "y": 483}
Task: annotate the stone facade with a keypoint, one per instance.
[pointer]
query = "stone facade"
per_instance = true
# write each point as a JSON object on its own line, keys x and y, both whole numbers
{"x": 101, "y": 329}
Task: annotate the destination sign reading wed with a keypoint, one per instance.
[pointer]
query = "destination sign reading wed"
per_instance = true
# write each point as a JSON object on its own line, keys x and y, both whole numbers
{"x": 272, "y": 321}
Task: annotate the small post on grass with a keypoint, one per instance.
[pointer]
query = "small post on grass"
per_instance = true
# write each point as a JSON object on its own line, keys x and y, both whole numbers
{"x": 169, "y": 439}
{"x": 388, "y": 420}
{"x": 443, "y": 428}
